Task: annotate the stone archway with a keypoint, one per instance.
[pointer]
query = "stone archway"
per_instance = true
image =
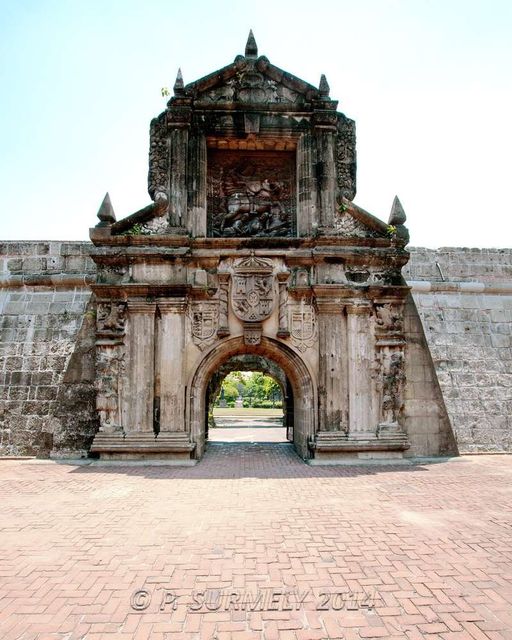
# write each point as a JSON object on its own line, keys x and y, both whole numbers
{"x": 295, "y": 369}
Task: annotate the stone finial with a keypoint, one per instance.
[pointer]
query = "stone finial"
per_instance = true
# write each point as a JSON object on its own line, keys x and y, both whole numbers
{"x": 324, "y": 87}
{"x": 251, "y": 48}
{"x": 397, "y": 215}
{"x": 106, "y": 213}
{"x": 178, "y": 84}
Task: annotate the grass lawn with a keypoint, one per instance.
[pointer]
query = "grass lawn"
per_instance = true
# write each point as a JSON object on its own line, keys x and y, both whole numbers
{"x": 247, "y": 412}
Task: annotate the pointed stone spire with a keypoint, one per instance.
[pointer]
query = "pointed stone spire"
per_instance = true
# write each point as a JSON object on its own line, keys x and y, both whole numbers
{"x": 106, "y": 213}
{"x": 324, "y": 87}
{"x": 397, "y": 215}
{"x": 178, "y": 85}
{"x": 251, "y": 48}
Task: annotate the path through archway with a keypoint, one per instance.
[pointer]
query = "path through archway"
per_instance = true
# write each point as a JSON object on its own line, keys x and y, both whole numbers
{"x": 301, "y": 412}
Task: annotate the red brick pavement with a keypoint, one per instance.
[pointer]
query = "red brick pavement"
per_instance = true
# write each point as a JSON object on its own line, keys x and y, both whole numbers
{"x": 92, "y": 552}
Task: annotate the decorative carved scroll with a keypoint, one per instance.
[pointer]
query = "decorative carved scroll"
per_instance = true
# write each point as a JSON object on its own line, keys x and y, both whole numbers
{"x": 252, "y": 291}
{"x": 250, "y": 194}
{"x": 346, "y": 158}
{"x": 158, "y": 178}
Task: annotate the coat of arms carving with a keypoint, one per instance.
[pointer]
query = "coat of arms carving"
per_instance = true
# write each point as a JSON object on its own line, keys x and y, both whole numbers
{"x": 203, "y": 320}
{"x": 252, "y": 289}
{"x": 303, "y": 326}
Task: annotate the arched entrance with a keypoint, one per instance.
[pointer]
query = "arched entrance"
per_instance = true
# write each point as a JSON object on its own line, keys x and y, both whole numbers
{"x": 251, "y": 364}
{"x": 302, "y": 389}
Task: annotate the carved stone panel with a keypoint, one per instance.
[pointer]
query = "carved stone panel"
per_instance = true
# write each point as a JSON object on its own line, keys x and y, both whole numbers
{"x": 252, "y": 289}
{"x": 251, "y": 193}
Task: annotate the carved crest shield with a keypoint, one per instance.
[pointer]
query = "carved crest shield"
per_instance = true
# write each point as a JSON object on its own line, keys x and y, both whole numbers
{"x": 252, "y": 292}
{"x": 203, "y": 318}
{"x": 303, "y": 326}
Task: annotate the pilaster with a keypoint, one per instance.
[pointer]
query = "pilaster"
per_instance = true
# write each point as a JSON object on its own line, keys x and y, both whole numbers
{"x": 170, "y": 363}
{"x": 359, "y": 370}
{"x": 141, "y": 317}
{"x": 333, "y": 389}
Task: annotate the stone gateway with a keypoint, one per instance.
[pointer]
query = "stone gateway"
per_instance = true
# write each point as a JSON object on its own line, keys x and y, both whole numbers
{"x": 251, "y": 249}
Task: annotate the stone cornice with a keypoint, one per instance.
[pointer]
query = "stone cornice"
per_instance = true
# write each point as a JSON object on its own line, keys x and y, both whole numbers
{"x": 127, "y": 291}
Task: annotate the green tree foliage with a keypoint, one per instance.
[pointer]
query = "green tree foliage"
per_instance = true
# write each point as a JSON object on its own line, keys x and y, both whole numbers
{"x": 256, "y": 388}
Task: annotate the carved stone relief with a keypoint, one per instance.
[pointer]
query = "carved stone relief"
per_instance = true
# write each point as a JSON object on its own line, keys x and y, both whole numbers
{"x": 250, "y": 194}
{"x": 251, "y": 87}
{"x": 110, "y": 362}
{"x": 388, "y": 317}
{"x": 393, "y": 378}
{"x": 110, "y": 317}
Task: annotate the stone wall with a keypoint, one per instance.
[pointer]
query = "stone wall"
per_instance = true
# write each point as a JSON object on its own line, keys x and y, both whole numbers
{"x": 462, "y": 311}
{"x": 46, "y": 356}
{"x": 464, "y": 300}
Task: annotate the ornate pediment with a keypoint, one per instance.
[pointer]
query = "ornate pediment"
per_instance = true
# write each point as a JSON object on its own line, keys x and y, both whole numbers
{"x": 250, "y": 86}
{"x": 252, "y": 80}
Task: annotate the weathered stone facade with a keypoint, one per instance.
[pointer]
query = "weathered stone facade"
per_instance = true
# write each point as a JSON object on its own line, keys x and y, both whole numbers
{"x": 252, "y": 250}
{"x": 252, "y": 247}
{"x": 65, "y": 426}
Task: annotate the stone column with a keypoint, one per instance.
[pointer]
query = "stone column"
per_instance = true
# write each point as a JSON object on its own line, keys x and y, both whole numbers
{"x": 223, "y": 329}
{"x": 170, "y": 357}
{"x": 326, "y": 146}
{"x": 359, "y": 371}
{"x": 333, "y": 389}
{"x": 178, "y": 185}
{"x": 283, "y": 330}
{"x": 307, "y": 220}
{"x": 142, "y": 370}
{"x": 196, "y": 180}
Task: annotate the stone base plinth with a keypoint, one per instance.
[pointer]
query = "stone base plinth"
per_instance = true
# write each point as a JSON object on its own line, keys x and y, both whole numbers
{"x": 336, "y": 447}
{"x": 175, "y": 447}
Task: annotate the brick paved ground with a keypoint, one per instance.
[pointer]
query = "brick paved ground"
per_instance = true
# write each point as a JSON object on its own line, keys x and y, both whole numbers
{"x": 425, "y": 551}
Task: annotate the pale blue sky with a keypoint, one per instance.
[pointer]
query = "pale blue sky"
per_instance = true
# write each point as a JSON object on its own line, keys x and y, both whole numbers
{"x": 429, "y": 83}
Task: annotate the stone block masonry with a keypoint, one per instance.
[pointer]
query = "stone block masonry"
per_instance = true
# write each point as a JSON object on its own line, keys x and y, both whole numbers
{"x": 46, "y": 359}
{"x": 464, "y": 300}
{"x": 462, "y": 310}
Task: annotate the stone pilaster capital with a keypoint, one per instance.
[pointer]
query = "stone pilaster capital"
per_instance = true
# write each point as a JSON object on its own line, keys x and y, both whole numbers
{"x": 172, "y": 305}
{"x": 282, "y": 276}
{"x": 358, "y": 308}
{"x": 324, "y": 306}
{"x": 139, "y": 306}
